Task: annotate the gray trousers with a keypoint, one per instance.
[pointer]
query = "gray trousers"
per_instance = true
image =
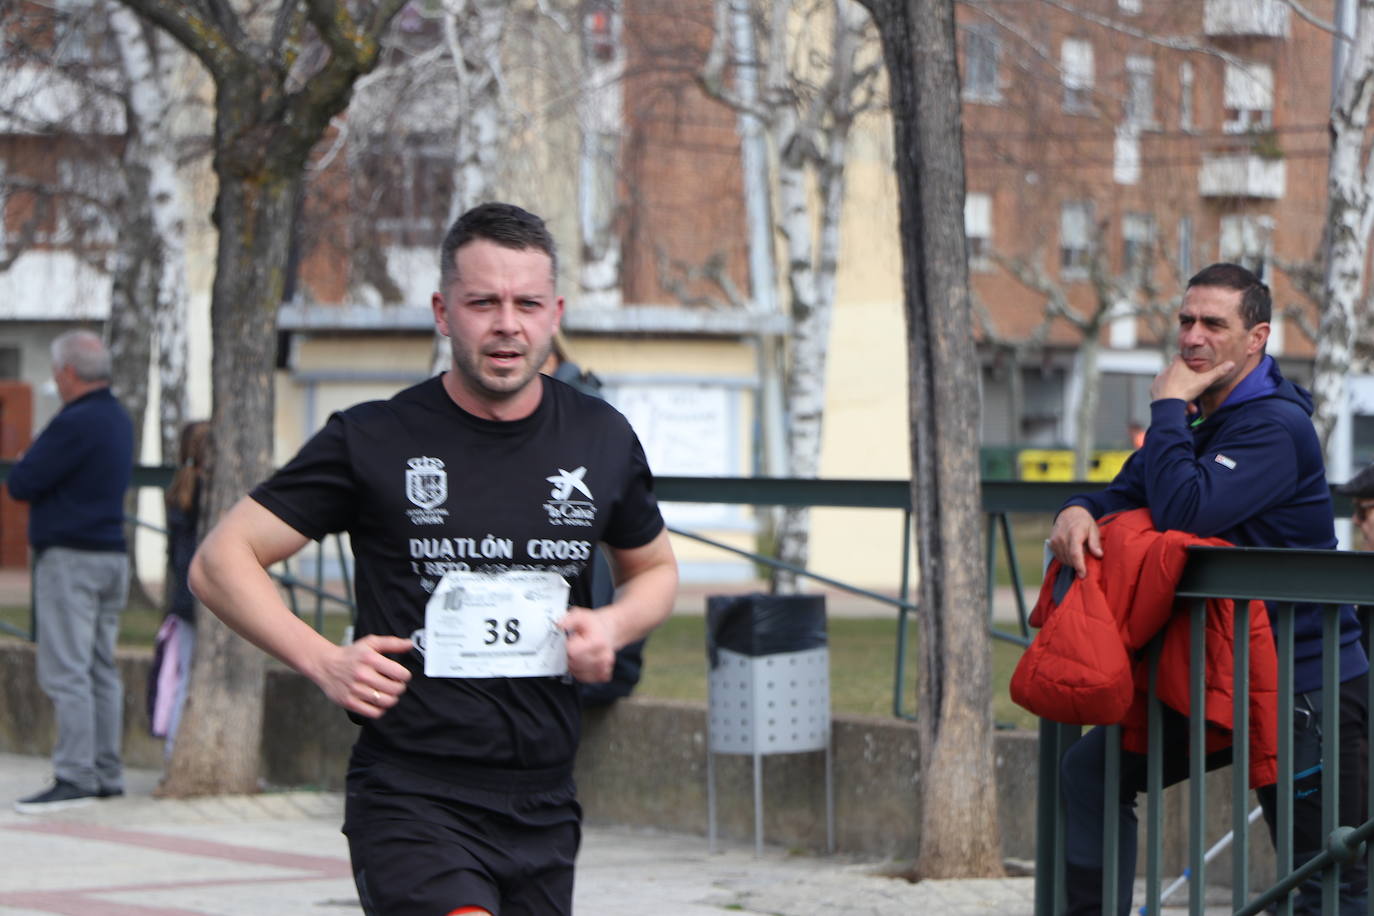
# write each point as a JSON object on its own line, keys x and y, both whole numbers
{"x": 78, "y": 596}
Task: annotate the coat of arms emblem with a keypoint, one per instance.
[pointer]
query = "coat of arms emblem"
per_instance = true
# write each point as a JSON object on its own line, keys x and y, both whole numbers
{"x": 426, "y": 482}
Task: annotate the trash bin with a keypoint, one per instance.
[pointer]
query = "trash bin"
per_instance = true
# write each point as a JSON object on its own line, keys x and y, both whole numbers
{"x": 768, "y": 689}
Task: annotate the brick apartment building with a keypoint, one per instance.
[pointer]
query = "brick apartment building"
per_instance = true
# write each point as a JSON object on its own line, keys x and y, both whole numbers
{"x": 1156, "y": 137}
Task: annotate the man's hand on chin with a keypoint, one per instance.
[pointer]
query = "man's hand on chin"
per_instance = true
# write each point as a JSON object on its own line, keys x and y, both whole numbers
{"x": 1181, "y": 381}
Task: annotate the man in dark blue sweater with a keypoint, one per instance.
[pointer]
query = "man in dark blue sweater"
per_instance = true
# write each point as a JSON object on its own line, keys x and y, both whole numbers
{"x": 74, "y": 477}
{"x": 1230, "y": 453}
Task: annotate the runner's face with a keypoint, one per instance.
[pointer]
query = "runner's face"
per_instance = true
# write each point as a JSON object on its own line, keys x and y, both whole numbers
{"x": 500, "y": 314}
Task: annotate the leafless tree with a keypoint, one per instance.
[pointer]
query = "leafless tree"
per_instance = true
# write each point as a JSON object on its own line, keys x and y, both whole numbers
{"x": 958, "y": 792}
{"x": 808, "y": 104}
{"x": 281, "y": 71}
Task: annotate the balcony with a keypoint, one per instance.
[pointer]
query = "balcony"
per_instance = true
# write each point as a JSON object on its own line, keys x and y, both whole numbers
{"x": 1245, "y": 18}
{"x": 1242, "y": 175}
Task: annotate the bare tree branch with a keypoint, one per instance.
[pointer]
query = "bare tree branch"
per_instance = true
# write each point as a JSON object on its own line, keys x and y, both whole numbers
{"x": 711, "y": 77}
{"x": 209, "y": 29}
{"x": 286, "y": 23}
{"x": 1305, "y": 275}
{"x": 1029, "y": 273}
{"x": 677, "y": 277}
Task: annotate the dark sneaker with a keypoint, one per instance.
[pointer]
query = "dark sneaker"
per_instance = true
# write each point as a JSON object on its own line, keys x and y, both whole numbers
{"x": 107, "y": 792}
{"x": 60, "y": 795}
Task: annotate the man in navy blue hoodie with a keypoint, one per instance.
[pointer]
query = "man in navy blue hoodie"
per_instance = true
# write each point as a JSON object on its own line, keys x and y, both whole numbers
{"x": 1230, "y": 453}
{"x": 74, "y": 477}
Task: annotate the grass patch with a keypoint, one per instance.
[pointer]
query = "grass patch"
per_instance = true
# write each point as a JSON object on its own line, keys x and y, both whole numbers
{"x": 863, "y": 662}
{"x": 1028, "y": 534}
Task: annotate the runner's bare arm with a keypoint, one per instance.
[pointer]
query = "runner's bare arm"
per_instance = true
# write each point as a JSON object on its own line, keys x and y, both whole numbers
{"x": 646, "y": 580}
{"x": 229, "y": 575}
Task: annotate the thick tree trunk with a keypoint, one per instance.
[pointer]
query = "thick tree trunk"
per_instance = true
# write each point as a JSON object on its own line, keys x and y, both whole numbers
{"x": 268, "y": 117}
{"x": 218, "y": 745}
{"x": 960, "y": 835}
{"x": 1347, "y": 229}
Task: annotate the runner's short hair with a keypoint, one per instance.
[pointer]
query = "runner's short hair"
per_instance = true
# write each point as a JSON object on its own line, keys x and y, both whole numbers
{"x": 506, "y": 225}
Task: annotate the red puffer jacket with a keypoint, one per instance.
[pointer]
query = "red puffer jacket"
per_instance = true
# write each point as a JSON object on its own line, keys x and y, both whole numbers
{"x": 1086, "y": 666}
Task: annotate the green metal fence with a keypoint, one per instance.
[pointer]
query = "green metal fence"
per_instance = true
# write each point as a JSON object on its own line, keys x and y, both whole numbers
{"x": 1282, "y": 577}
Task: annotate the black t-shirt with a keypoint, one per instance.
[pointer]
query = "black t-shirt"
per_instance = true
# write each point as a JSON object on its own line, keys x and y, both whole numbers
{"x": 422, "y": 487}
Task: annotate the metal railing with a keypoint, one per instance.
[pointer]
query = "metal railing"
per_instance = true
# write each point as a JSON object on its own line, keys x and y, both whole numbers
{"x": 1283, "y": 578}
{"x": 296, "y": 587}
{"x": 1000, "y": 500}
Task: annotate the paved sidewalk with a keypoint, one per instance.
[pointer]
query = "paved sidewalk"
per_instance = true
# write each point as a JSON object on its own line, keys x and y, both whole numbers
{"x": 281, "y": 854}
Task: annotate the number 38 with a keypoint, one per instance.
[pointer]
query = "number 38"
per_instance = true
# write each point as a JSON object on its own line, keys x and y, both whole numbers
{"x": 499, "y": 631}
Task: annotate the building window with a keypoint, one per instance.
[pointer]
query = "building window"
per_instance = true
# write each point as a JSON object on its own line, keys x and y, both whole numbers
{"x": 981, "y": 53}
{"x": 1075, "y": 238}
{"x": 1140, "y": 91}
{"x": 1248, "y": 97}
{"x": 1185, "y": 96}
{"x": 1126, "y": 154}
{"x": 1076, "y": 62}
{"x": 978, "y": 230}
{"x": 1246, "y": 240}
{"x": 83, "y": 220}
{"x": 407, "y": 187}
{"x": 1137, "y": 245}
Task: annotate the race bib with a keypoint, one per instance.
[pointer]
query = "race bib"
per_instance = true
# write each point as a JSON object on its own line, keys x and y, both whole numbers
{"x": 495, "y": 625}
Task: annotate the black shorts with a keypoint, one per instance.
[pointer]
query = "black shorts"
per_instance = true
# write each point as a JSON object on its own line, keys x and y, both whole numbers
{"x": 424, "y": 847}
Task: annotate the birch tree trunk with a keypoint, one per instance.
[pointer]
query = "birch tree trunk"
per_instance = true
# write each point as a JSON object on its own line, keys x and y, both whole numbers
{"x": 736, "y": 19}
{"x": 268, "y": 117}
{"x": 804, "y": 393}
{"x": 1085, "y": 417}
{"x": 811, "y": 279}
{"x": 473, "y": 32}
{"x": 959, "y": 834}
{"x": 601, "y": 110}
{"x": 808, "y": 127}
{"x": 1349, "y": 179}
{"x": 148, "y": 66}
{"x": 129, "y": 330}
